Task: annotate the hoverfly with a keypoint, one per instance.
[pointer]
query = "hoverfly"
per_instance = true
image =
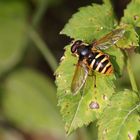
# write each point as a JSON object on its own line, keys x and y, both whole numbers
{"x": 92, "y": 58}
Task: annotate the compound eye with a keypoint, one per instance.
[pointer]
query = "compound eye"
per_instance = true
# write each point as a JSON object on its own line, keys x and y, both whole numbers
{"x": 73, "y": 48}
{"x": 75, "y": 45}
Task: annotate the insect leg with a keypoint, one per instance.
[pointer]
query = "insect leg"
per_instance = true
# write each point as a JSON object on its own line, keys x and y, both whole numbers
{"x": 94, "y": 76}
{"x": 91, "y": 73}
{"x": 116, "y": 45}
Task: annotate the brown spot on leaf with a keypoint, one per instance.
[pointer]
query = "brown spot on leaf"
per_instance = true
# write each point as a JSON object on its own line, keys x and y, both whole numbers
{"x": 90, "y": 19}
{"x": 109, "y": 13}
{"x": 66, "y": 91}
{"x": 94, "y": 105}
{"x": 136, "y": 17}
{"x": 67, "y": 105}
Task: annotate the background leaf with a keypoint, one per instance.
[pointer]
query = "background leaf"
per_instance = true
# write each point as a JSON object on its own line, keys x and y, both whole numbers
{"x": 29, "y": 104}
{"x": 120, "y": 120}
{"x": 12, "y": 33}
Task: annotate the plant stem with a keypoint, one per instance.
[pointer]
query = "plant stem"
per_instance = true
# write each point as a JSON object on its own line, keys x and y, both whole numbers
{"x": 40, "y": 44}
{"x": 131, "y": 74}
{"x": 39, "y": 13}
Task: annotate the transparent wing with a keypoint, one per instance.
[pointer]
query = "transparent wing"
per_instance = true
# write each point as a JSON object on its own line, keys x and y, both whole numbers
{"x": 109, "y": 39}
{"x": 79, "y": 78}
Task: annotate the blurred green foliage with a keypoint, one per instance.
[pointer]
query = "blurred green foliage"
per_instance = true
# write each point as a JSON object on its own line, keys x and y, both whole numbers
{"x": 13, "y": 26}
{"x": 28, "y": 101}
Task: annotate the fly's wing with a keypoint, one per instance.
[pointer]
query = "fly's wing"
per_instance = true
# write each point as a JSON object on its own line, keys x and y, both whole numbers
{"x": 109, "y": 39}
{"x": 79, "y": 78}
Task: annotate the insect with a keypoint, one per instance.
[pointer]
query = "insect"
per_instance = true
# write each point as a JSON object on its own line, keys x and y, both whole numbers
{"x": 92, "y": 58}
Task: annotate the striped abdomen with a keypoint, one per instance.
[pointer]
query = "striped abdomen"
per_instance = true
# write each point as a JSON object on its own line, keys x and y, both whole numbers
{"x": 100, "y": 62}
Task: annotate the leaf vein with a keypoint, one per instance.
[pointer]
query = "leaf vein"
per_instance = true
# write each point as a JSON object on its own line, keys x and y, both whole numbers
{"x": 126, "y": 117}
{"x": 71, "y": 124}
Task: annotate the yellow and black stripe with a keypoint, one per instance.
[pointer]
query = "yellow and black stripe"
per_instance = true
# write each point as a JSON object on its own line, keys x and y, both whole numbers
{"x": 100, "y": 62}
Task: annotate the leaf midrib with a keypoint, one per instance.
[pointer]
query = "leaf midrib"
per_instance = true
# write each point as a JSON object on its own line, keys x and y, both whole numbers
{"x": 71, "y": 124}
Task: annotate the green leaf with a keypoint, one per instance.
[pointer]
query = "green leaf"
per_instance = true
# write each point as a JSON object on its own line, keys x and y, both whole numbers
{"x": 30, "y": 102}
{"x": 12, "y": 33}
{"x": 90, "y": 23}
{"x": 132, "y": 14}
{"x": 78, "y": 110}
{"x": 89, "y": 103}
{"x": 120, "y": 119}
